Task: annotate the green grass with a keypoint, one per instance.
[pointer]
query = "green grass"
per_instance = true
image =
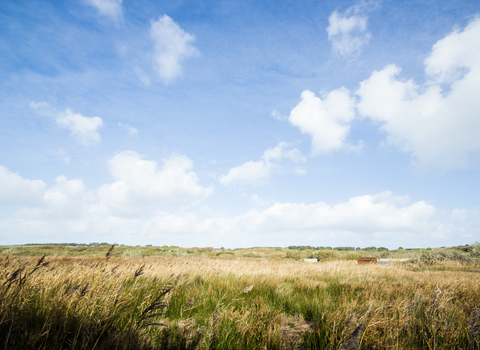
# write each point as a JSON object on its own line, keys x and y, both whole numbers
{"x": 75, "y": 302}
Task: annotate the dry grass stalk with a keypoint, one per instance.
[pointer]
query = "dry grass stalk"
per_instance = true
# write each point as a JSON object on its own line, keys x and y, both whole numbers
{"x": 350, "y": 320}
{"x": 139, "y": 271}
{"x": 148, "y": 313}
{"x": 436, "y": 297}
{"x": 110, "y": 251}
{"x": 474, "y": 323}
{"x": 353, "y": 340}
{"x": 190, "y": 302}
{"x": 248, "y": 289}
{"x": 214, "y": 326}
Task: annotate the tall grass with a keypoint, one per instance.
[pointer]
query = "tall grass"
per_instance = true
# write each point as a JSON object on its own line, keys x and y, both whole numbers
{"x": 211, "y": 303}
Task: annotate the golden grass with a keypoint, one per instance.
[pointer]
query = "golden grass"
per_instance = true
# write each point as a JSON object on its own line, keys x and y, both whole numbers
{"x": 216, "y": 303}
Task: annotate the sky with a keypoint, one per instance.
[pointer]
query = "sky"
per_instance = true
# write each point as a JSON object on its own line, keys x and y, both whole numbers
{"x": 240, "y": 123}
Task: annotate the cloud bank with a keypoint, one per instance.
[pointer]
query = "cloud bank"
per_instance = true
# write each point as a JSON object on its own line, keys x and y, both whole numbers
{"x": 15, "y": 190}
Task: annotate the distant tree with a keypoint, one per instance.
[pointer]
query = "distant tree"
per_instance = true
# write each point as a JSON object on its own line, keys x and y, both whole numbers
{"x": 370, "y": 248}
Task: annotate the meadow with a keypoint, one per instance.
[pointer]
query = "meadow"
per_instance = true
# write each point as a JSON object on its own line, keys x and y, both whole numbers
{"x": 101, "y": 297}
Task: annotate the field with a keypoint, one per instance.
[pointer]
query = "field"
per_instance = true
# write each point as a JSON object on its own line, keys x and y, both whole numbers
{"x": 124, "y": 298}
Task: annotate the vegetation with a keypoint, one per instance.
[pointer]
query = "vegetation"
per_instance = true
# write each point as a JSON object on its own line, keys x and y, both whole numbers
{"x": 200, "y": 299}
{"x": 469, "y": 253}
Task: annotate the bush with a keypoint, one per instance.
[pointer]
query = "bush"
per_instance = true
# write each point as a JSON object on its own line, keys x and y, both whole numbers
{"x": 325, "y": 254}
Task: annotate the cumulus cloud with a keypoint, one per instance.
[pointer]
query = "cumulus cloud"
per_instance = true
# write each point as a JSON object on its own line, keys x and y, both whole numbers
{"x": 172, "y": 45}
{"x": 116, "y": 211}
{"x": 126, "y": 206}
{"x": 348, "y": 31}
{"x": 140, "y": 185}
{"x": 438, "y": 123}
{"x": 15, "y": 190}
{"x": 253, "y": 172}
{"x": 108, "y": 8}
{"x": 84, "y": 129}
{"x": 327, "y": 121}
{"x": 67, "y": 198}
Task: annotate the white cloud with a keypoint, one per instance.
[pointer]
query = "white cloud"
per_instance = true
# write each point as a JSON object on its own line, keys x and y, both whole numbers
{"x": 108, "y": 8}
{"x": 327, "y": 121}
{"x": 381, "y": 213}
{"x": 84, "y": 129}
{"x": 253, "y": 172}
{"x": 39, "y": 105}
{"x": 380, "y": 217}
{"x": 259, "y": 201}
{"x": 439, "y": 123}
{"x": 15, "y": 190}
{"x": 172, "y": 45}
{"x": 68, "y": 211}
{"x": 142, "y": 77}
{"x": 131, "y": 130}
{"x": 140, "y": 185}
{"x": 62, "y": 153}
{"x": 300, "y": 170}
{"x": 277, "y": 115}
{"x": 67, "y": 198}
{"x": 466, "y": 222}
{"x": 348, "y": 32}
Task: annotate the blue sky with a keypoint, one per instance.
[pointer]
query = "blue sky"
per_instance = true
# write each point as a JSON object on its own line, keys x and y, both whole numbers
{"x": 240, "y": 123}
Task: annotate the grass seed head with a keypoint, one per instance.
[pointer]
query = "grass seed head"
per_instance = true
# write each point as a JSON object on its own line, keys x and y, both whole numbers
{"x": 474, "y": 323}
{"x": 110, "y": 251}
{"x": 436, "y": 297}
{"x": 139, "y": 271}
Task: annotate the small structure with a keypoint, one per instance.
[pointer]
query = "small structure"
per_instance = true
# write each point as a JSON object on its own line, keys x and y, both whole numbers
{"x": 364, "y": 261}
{"x": 383, "y": 261}
{"x": 310, "y": 260}
{"x": 378, "y": 261}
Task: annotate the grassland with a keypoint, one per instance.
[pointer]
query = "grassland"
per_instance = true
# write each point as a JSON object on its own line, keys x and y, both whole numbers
{"x": 221, "y": 299}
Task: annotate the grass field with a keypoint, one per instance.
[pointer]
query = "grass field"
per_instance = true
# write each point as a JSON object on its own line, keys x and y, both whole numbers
{"x": 206, "y": 300}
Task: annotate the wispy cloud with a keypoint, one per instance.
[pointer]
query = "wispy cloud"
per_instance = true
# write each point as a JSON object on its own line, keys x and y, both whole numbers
{"x": 131, "y": 130}
{"x": 348, "y": 31}
{"x": 108, "y": 8}
{"x": 277, "y": 115}
{"x": 172, "y": 45}
{"x": 253, "y": 172}
{"x": 63, "y": 154}
{"x": 84, "y": 129}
